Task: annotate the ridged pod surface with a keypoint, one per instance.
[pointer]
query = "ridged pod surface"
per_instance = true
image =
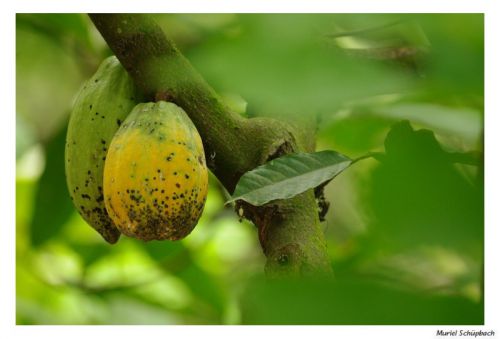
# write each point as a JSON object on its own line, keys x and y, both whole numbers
{"x": 101, "y": 106}
{"x": 155, "y": 176}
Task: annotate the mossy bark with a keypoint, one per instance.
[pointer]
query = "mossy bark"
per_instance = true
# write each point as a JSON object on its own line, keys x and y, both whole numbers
{"x": 289, "y": 230}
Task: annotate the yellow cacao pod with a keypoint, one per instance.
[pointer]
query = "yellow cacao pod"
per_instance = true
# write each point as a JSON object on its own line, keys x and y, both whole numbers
{"x": 155, "y": 175}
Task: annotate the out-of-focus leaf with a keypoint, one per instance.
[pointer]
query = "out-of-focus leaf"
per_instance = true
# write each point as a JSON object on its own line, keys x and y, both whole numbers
{"x": 455, "y": 67}
{"x": 53, "y": 206}
{"x": 419, "y": 197}
{"x": 31, "y": 164}
{"x": 58, "y": 264}
{"x": 90, "y": 253}
{"x": 287, "y": 176}
{"x": 453, "y": 70}
{"x": 462, "y": 123}
{"x": 401, "y": 41}
{"x": 175, "y": 258}
{"x": 361, "y": 126}
{"x": 188, "y": 29}
{"x": 353, "y": 134}
{"x": 210, "y": 294}
{"x": 343, "y": 302}
{"x": 123, "y": 267}
{"x": 124, "y": 309}
{"x": 47, "y": 78}
{"x": 163, "y": 251}
{"x": 402, "y": 135}
{"x": 393, "y": 34}
{"x": 281, "y": 63}
{"x": 25, "y": 191}
{"x": 25, "y": 136}
{"x": 433, "y": 270}
{"x": 58, "y": 26}
{"x": 40, "y": 302}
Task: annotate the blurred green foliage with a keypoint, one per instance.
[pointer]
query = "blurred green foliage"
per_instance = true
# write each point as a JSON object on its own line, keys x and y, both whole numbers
{"x": 405, "y": 231}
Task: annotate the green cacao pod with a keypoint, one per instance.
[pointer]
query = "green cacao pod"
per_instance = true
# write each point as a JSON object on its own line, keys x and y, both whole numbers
{"x": 155, "y": 175}
{"x": 101, "y": 106}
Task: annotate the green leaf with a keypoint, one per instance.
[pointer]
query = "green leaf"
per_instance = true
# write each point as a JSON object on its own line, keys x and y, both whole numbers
{"x": 283, "y": 63}
{"x": 351, "y": 301}
{"x": 389, "y": 35}
{"x": 62, "y": 28}
{"x": 45, "y": 84}
{"x": 52, "y": 207}
{"x": 25, "y": 136}
{"x": 419, "y": 197}
{"x": 287, "y": 176}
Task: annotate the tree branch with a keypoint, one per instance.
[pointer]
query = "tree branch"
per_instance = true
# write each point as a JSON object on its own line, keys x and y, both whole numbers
{"x": 289, "y": 230}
